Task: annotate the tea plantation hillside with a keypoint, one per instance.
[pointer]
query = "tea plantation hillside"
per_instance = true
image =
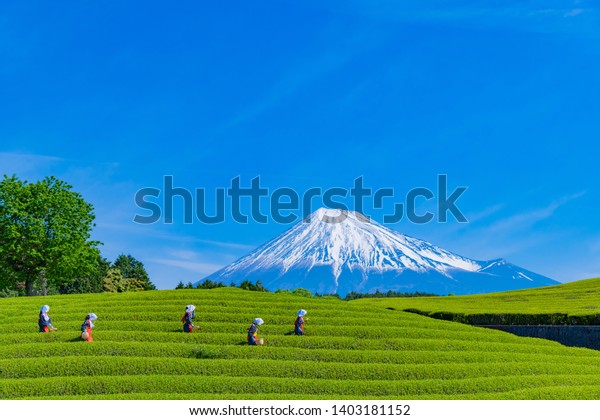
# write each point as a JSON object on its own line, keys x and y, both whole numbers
{"x": 351, "y": 350}
{"x": 576, "y": 303}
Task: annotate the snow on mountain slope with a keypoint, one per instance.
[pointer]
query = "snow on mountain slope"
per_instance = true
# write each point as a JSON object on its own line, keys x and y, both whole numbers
{"x": 335, "y": 251}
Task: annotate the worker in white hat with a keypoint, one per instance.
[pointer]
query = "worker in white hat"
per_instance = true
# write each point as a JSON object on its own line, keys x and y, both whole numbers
{"x": 86, "y": 327}
{"x": 253, "y": 331}
{"x": 299, "y": 322}
{"x": 44, "y": 321}
{"x": 188, "y": 319}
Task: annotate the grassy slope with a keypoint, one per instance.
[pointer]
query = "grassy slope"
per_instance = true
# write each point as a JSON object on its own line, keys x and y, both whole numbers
{"x": 352, "y": 350}
{"x": 580, "y": 298}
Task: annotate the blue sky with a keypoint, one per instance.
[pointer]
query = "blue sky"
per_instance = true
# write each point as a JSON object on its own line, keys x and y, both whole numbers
{"x": 502, "y": 97}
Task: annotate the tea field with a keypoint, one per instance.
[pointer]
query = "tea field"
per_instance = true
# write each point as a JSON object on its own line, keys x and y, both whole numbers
{"x": 576, "y": 303}
{"x": 351, "y": 350}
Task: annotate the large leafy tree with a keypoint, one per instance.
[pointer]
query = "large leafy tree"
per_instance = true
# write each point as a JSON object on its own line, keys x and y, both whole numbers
{"x": 91, "y": 282}
{"x": 45, "y": 232}
{"x": 134, "y": 273}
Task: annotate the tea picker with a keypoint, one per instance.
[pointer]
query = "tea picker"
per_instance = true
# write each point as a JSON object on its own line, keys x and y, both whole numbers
{"x": 253, "y": 339}
{"x": 86, "y": 327}
{"x": 299, "y": 322}
{"x": 188, "y": 319}
{"x": 44, "y": 321}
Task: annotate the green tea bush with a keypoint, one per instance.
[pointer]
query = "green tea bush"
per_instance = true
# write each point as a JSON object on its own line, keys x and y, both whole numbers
{"x": 353, "y": 350}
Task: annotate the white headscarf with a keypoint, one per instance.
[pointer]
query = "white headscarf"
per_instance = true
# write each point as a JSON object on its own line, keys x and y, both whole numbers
{"x": 92, "y": 317}
{"x": 44, "y": 310}
{"x": 301, "y": 312}
{"x": 258, "y": 321}
{"x": 190, "y": 308}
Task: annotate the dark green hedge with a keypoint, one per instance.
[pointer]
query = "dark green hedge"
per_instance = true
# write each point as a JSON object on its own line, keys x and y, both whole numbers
{"x": 511, "y": 319}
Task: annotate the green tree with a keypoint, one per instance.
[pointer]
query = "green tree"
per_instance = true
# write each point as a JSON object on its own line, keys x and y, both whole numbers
{"x": 134, "y": 271}
{"x": 92, "y": 283}
{"x": 9, "y": 282}
{"x": 136, "y": 285}
{"x": 209, "y": 284}
{"x": 302, "y": 292}
{"x": 259, "y": 287}
{"x": 45, "y": 232}
{"x": 283, "y": 291}
{"x": 114, "y": 281}
{"x": 248, "y": 285}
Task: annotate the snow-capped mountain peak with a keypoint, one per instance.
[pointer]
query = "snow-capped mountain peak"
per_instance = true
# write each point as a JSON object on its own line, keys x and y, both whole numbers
{"x": 340, "y": 238}
{"x": 336, "y": 251}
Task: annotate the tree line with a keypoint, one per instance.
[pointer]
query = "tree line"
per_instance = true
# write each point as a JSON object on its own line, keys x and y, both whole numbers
{"x": 209, "y": 284}
{"x": 46, "y": 246}
{"x": 245, "y": 285}
{"x": 258, "y": 287}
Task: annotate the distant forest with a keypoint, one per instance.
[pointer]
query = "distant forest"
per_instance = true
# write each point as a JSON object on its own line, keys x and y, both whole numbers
{"x": 258, "y": 287}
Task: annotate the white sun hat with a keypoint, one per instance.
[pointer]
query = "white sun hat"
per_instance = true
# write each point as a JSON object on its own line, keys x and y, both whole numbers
{"x": 301, "y": 312}
{"x": 258, "y": 321}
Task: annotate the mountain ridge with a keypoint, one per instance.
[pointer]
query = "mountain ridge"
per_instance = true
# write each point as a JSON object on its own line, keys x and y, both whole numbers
{"x": 338, "y": 251}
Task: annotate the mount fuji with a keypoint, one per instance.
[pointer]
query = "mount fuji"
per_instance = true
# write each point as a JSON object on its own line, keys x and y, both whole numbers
{"x": 339, "y": 251}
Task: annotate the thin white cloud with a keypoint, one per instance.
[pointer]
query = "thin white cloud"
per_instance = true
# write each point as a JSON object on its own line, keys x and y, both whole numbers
{"x": 197, "y": 267}
{"x": 39, "y": 165}
{"x": 515, "y": 236}
{"x": 524, "y": 16}
{"x": 574, "y": 12}
{"x": 150, "y": 231}
{"x": 527, "y": 219}
{"x": 185, "y": 254}
{"x": 485, "y": 213}
{"x": 227, "y": 244}
{"x": 485, "y": 246}
{"x": 26, "y": 164}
